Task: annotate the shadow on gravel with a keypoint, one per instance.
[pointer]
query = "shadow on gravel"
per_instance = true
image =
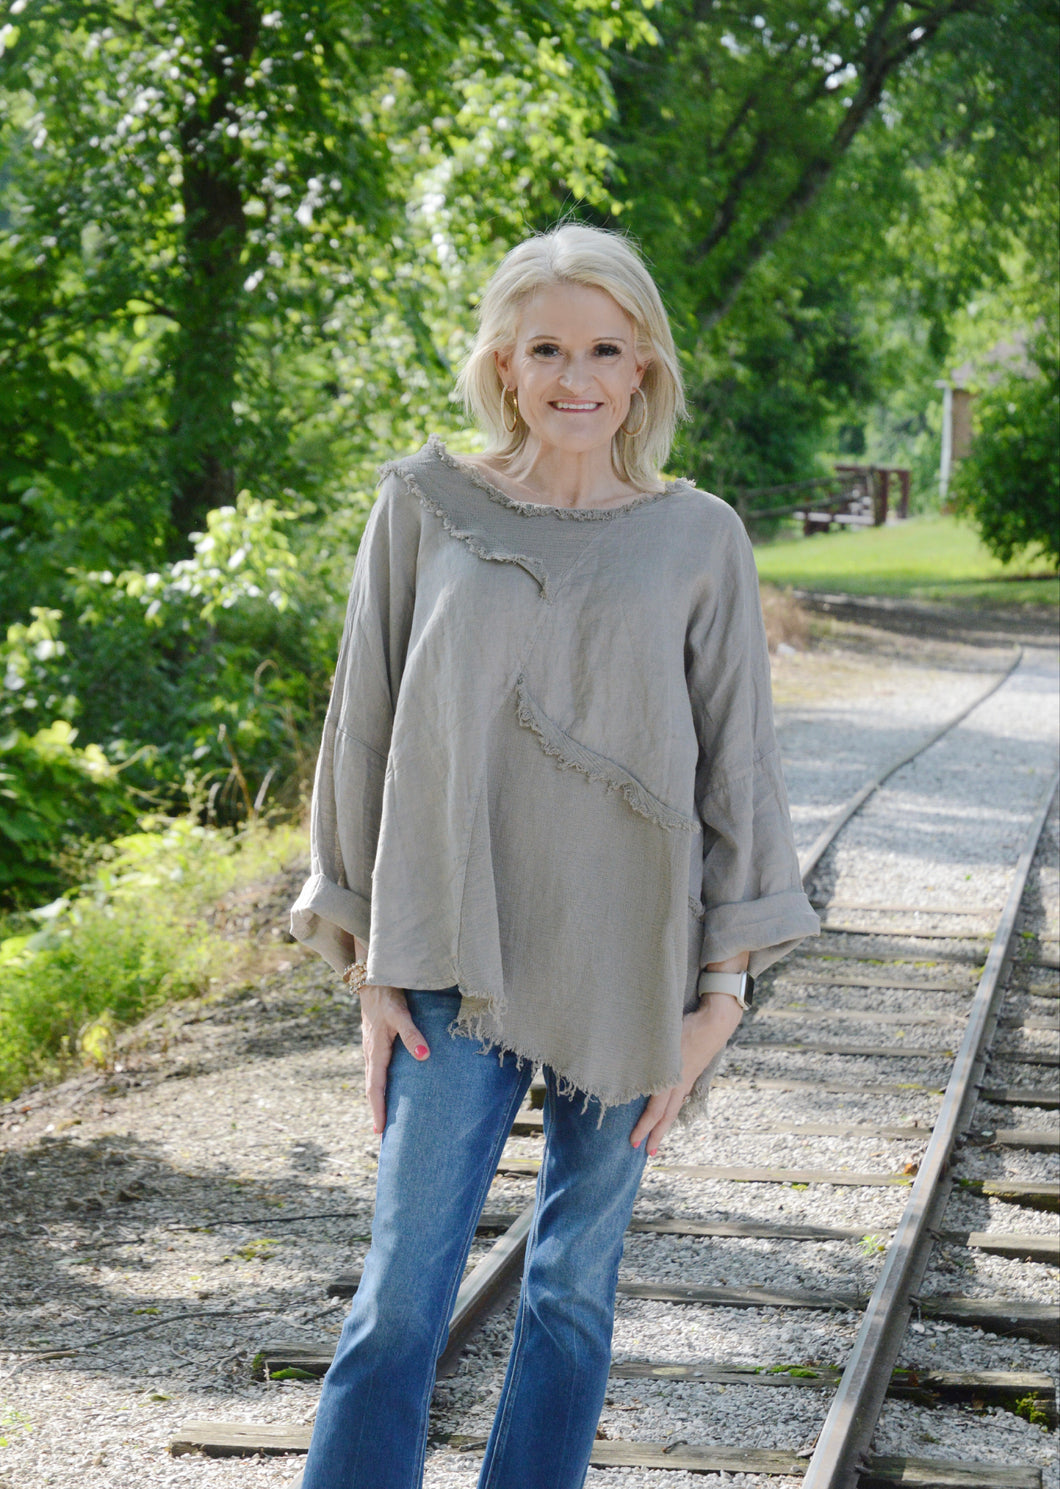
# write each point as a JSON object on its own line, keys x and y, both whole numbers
{"x": 92, "y": 1227}
{"x": 88, "y": 1224}
{"x": 1034, "y": 626}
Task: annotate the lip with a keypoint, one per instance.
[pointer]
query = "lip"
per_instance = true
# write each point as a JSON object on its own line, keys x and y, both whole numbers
{"x": 574, "y": 406}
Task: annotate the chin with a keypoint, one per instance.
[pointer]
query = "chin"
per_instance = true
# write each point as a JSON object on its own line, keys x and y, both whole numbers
{"x": 592, "y": 432}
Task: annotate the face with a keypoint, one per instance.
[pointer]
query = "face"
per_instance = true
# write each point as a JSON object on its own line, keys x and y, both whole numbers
{"x": 573, "y": 367}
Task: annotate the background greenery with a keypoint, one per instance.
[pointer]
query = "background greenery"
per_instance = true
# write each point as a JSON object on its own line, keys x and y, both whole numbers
{"x": 241, "y": 245}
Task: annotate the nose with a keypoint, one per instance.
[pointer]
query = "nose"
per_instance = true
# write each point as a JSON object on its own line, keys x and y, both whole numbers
{"x": 577, "y": 375}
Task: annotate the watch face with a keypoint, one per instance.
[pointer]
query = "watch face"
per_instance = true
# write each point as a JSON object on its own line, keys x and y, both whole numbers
{"x": 748, "y": 989}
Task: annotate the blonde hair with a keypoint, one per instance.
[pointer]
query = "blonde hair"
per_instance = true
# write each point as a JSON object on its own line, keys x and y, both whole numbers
{"x": 575, "y": 254}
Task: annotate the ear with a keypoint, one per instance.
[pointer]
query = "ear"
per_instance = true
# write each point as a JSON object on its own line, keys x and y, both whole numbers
{"x": 639, "y": 373}
{"x": 503, "y": 361}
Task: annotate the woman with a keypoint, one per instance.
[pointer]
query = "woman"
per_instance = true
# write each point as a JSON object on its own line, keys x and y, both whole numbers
{"x": 549, "y": 827}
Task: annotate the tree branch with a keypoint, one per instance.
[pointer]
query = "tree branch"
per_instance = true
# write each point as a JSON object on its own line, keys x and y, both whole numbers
{"x": 891, "y": 52}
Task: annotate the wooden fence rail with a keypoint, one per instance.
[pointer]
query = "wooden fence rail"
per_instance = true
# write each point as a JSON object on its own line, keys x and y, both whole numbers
{"x": 855, "y": 496}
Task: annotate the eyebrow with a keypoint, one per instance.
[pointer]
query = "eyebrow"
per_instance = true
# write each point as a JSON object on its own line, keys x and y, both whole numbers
{"x": 554, "y": 336}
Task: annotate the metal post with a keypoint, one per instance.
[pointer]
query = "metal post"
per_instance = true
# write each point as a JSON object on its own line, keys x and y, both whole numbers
{"x": 946, "y": 456}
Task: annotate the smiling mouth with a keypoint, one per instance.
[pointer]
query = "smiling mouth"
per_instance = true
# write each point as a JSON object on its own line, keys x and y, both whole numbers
{"x": 572, "y": 406}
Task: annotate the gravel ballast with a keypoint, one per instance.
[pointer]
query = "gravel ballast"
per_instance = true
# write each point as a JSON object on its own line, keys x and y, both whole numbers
{"x": 173, "y": 1184}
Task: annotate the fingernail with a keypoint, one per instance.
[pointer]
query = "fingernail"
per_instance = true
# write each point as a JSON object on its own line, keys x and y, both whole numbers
{"x": 377, "y": 1130}
{"x": 652, "y": 1152}
{"x": 421, "y": 1052}
{"x": 637, "y": 1143}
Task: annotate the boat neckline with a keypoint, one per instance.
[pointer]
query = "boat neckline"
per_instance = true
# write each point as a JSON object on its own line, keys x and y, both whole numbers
{"x": 579, "y": 514}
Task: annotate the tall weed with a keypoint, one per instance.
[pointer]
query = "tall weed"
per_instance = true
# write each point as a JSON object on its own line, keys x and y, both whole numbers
{"x": 132, "y": 937}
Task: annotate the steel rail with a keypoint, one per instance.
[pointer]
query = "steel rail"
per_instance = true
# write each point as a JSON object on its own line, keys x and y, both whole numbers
{"x": 843, "y": 813}
{"x": 837, "y": 1461}
{"x": 484, "y": 1286}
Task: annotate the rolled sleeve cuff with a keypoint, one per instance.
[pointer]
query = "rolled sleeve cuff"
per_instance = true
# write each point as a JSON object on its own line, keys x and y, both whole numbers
{"x": 768, "y": 928}
{"x": 322, "y": 912}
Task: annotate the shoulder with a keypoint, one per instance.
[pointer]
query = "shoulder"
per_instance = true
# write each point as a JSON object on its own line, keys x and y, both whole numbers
{"x": 699, "y": 517}
{"x": 704, "y": 505}
{"x": 430, "y": 461}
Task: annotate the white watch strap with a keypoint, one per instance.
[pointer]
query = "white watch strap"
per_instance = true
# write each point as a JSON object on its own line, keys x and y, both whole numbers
{"x": 736, "y": 984}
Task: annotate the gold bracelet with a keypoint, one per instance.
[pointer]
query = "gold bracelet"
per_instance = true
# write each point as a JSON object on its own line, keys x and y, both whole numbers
{"x": 355, "y": 976}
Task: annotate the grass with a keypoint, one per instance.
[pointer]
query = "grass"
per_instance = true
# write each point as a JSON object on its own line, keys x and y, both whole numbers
{"x": 926, "y": 558}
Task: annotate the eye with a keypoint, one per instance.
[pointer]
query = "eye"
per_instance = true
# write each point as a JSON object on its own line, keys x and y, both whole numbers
{"x": 608, "y": 349}
{"x": 545, "y": 349}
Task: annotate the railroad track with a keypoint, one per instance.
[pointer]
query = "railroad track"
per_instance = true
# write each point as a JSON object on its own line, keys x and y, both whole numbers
{"x": 932, "y": 1008}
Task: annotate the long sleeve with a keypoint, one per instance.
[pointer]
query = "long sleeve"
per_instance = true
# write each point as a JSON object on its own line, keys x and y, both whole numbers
{"x": 751, "y": 888}
{"x": 336, "y": 901}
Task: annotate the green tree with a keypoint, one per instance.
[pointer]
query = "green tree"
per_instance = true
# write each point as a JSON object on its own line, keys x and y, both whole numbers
{"x": 1010, "y": 483}
{"x": 241, "y": 241}
{"x": 839, "y": 183}
{"x": 221, "y": 213}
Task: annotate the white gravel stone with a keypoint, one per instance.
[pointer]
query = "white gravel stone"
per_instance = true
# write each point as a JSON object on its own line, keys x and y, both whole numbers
{"x": 228, "y": 1121}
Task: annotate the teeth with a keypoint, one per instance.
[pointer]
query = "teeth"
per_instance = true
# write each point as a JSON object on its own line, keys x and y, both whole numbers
{"x": 578, "y": 407}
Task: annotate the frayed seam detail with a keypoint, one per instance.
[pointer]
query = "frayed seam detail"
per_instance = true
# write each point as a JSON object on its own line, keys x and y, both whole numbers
{"x": 571, "y": 755}
{"x": 437, "y": 447}
{"x": 491, "y": 555}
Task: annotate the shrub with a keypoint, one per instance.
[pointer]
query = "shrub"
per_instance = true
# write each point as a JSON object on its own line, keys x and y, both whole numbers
{"x": 52, "y": 790}
{"x": 134, "y": 936}
{"x": 1010, "y": 483}
{"x": 204, "y": 681}
{"x": 52, "y": 794}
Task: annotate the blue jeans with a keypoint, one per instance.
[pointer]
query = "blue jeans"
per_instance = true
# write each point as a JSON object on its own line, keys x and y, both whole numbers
{"x": 447, "y": 1121}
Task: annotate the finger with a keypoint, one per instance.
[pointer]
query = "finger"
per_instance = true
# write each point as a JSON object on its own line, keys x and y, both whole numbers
{"x": 378, "y": 1044}
{"x": 649, "y": 1117}
{"x": 662, "y": 1127}
{"x": 412, "y": 1039}
{"x": 376, "y": 1090}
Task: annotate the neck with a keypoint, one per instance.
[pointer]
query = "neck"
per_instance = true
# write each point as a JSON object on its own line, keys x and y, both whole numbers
{"x": 585, "y": 479}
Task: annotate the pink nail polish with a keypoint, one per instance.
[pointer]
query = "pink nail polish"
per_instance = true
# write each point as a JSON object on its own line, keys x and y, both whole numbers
{"x": 652, "y": 1152}
{"x": 421, "y": 1052}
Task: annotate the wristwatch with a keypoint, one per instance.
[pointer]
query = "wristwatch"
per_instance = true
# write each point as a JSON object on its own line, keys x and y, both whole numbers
{"x": 739, "y": 985}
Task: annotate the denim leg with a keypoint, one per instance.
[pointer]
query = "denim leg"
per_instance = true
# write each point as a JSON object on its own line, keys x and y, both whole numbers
{"x": 557, "y": 1375}
{"x": 447, "y": 1121}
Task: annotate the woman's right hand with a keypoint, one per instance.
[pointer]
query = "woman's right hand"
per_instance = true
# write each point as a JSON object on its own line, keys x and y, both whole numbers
{"x": 385, "y": 1017}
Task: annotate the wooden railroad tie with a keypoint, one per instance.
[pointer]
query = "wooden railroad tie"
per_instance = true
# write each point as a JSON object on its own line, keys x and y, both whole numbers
{"x": 1038, "y": 1195}
{"x": 812, "y": 1013}
{"x": 1048, "y": 1099}
{"x": 876, "y": 946}
{"x": 1001, "y": 1388}
{"x": 1011, "y": 1317}
{"x": 836, "y": 977}
{"x": 244, "y": 1439}
{"x": 890, "y": 1051}
{"x": 1018, "y": 1245}
{"x": 530, "y": 1123}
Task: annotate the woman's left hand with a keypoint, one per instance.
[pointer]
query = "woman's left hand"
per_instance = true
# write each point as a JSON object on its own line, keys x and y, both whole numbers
{"x": 704, "y": 1034}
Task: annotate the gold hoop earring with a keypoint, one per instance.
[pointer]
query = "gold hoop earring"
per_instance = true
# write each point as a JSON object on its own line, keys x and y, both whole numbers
{"x": 514, "y": 425}
{"x": 633, "y": 433}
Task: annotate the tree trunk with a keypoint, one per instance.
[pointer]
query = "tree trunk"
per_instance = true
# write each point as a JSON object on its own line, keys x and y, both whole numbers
{"x": 205, "y": 359}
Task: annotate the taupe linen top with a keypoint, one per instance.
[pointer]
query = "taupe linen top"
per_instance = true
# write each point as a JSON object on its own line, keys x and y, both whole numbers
{"x": 549, "y": 774}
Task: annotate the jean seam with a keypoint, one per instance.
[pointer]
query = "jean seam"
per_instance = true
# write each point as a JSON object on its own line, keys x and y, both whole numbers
{"x": 502, "y": 1423}
{"x": 489, "y": 1171}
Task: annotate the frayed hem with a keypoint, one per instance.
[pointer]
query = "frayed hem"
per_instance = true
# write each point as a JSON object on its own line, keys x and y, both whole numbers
{"x": 479, "y": 1022}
